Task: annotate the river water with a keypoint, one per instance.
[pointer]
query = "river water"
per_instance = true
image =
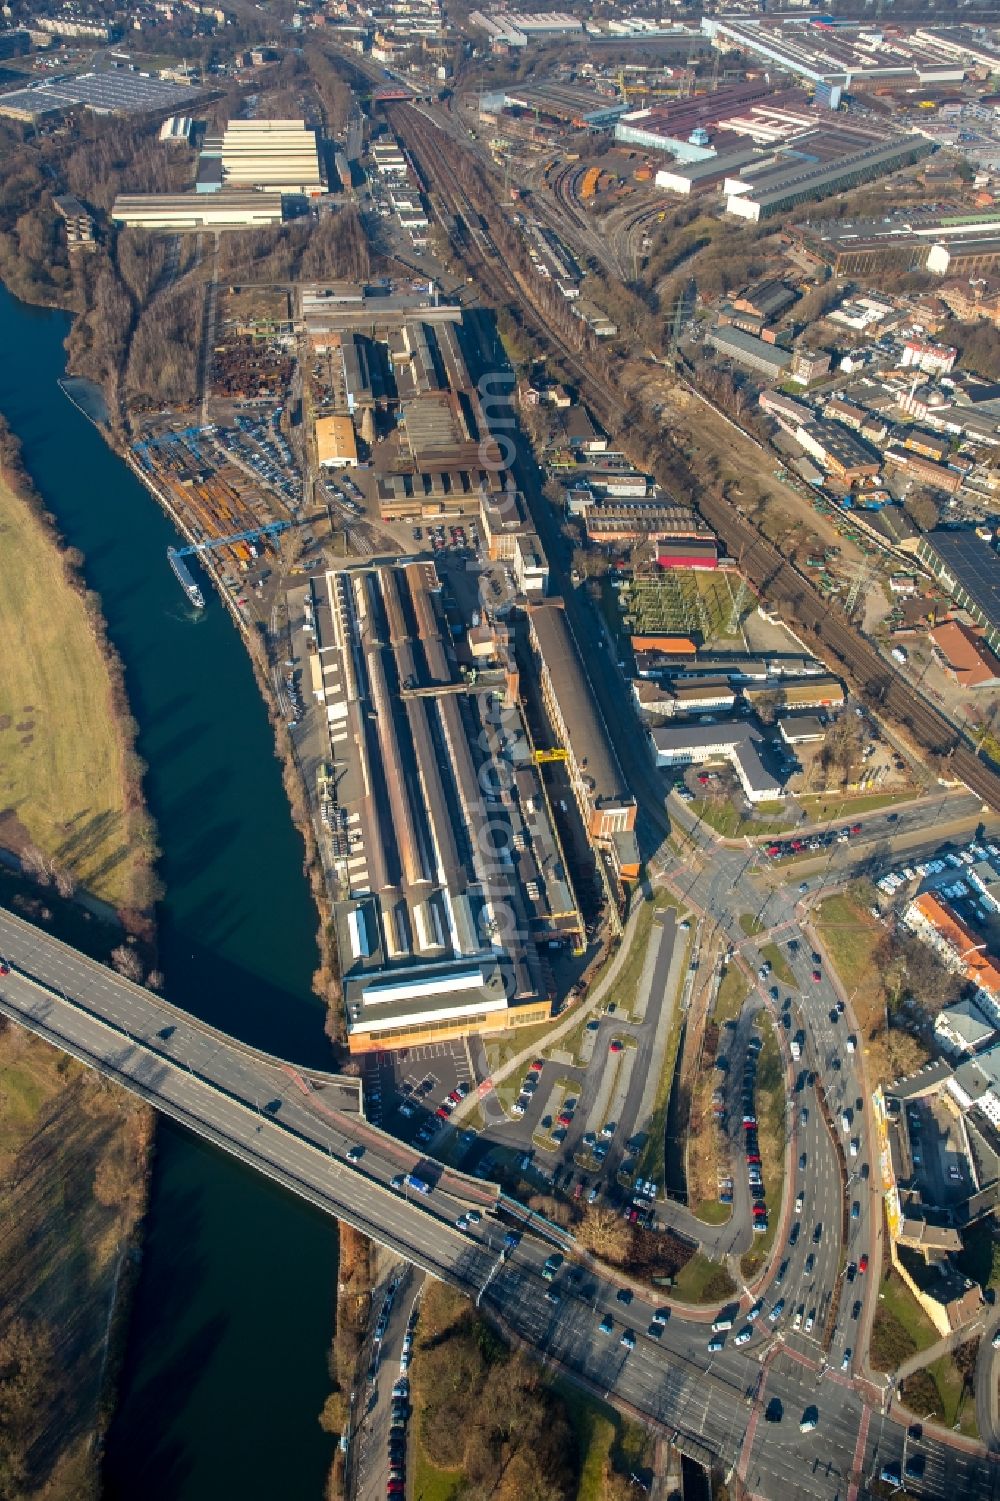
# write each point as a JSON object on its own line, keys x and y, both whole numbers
{"x": 225, "y": 1368}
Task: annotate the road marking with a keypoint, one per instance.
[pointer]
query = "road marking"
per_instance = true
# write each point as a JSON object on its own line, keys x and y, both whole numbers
{"x": 859, "y": 1452}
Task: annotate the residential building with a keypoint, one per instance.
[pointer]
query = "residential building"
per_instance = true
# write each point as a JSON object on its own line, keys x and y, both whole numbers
{"x": 962, "y": 1029}
{"x": 951, "y": 939}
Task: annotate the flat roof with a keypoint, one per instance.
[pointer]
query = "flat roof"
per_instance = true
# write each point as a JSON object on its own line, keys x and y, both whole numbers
{"x": 973, "y": 564}
{"x": 728, "y": 338}
{"x": 585, "y": 728}
{"x": 737, "y": 739}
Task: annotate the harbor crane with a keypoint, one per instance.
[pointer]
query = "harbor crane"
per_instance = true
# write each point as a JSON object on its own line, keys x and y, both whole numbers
{"x": 272, "y": 528}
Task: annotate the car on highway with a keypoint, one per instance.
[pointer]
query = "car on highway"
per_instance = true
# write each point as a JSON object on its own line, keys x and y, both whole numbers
{"x": 818, "y": 1233}
{"x": 777, "y": 1311}
{"x": 4, "y": 966}
{"x": 800, "y": 1200}
{"x": 846, "y": 1362}
{"x": 797, "y": 1320}
{"x": 855, "y": 1210}
{"x": 852, "y": 1270}
{"x": 355, "y": 1154}
{"x": 810, "y": 1320}
{"x": 802, "y": 1162}
{"x": 863, "y": 1263}
{"x": 816, "y": 977}
{"x": 624, "y": 1295}
{"x": 809, "y": 1420}
{"x": 782, "y": 1273}
{"x": 810, "y": 1263}
{"x": 793, "y": 1234}
{"x": 628, "y": 1339}
{"x": 615, "y": 1046}
{"x": 715, "y": 1344}
{"x": 607, "y": 1324}
{"x": 744, "y": 1336}
{"x": 755, "y": 1312}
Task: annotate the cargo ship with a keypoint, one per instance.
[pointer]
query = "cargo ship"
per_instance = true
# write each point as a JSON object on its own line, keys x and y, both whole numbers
{"x": 183, "y": 577}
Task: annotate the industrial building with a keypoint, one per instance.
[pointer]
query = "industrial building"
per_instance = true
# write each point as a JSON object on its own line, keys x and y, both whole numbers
{"x": 193, "y": 211}
{"x": 509, "y": 29}
{"x": 444, "y": 838}
{"x": 819, "y": 49}
{"x": 838, "y": 450}
{"x": 709, "y": 126}
{"x": 115, "y": 93}
{"x": 336, "y": 445}
{"x": 967, "y": 568}
{"x": 606, "y": 804}
{"x": 276, "y": 155}
{"x": 738, "y": 743}
{"x": 824, "y": 162}
{"x": 746, "y": 349}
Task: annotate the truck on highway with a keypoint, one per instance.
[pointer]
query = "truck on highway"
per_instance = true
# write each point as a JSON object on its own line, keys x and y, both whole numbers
{"x": 845, "y": 1121}
{"x": 796, "y": 1044}
{"x": 419, "y": 1185}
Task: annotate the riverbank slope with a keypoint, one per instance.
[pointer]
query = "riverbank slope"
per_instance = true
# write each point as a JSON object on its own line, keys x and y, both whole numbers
{"x": 74, "y": 1152}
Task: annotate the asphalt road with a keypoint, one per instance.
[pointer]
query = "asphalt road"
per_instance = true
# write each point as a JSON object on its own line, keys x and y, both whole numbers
{"x": 225, "y": 1091}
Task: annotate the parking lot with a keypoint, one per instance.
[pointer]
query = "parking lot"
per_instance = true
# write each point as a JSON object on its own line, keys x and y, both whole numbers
{"x": 412, "y": 1092}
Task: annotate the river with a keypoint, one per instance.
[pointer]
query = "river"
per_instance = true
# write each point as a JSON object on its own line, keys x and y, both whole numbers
{"x": 225, "y": 1366}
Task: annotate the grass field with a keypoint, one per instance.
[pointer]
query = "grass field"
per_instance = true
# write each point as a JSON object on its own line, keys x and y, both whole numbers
{"x": 73, "y": 1155}
{"x": 702, "y": 1281}
{"x": 61, "y": 760}
{"x": 780, "y": 968}
{"x": 733, "y": 991}
{"x": 727, "y": 821}
{"x": 901, "y": 1327}
{"x": 824, "y": 807}
{"x": 850, "y": 936}
{"x": 939, "y": 1389}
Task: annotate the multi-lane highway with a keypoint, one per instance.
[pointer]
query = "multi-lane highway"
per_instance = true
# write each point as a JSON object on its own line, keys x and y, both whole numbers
{"x": 300, "y": 1132}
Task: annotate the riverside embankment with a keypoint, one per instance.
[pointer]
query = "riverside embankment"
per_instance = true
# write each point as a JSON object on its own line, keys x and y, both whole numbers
{"x": 225, "y": 1370}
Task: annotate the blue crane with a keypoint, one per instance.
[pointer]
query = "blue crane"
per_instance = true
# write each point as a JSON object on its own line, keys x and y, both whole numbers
{"x": 270, "y": 529}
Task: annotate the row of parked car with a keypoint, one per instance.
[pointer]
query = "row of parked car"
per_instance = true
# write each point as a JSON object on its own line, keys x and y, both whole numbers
{"x": 782, "y": 848}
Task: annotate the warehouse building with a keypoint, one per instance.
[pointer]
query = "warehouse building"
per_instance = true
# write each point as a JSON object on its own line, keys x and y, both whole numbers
{"x": 194, "y": 211}
{"x": 763, "y": 193}
{"x": 746, "y": 349}
{"x": 336, "y": 445}
{"x": 606, "y": 804}
{"x": 687, "y": 552}
{"x": 838, "y": 451}
{"x": 444, "y": 839}
{"x": 966, "y": 567}
{"x": 818, "y": 692}
{"x": 279, "y": 155}
{"x": 700, "y": 744}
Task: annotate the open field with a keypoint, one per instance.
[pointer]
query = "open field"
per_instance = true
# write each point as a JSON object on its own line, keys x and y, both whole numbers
{"x": 73, "y": 1155}
{"x": 823, "y": 807}
{"x": 850, "y": 936}
{"x": 733, "y": 991}
{"x": 62, "y": 770}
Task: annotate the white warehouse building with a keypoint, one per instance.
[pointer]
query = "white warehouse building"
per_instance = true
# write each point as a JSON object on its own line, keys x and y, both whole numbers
{"x": 278, "y": 154}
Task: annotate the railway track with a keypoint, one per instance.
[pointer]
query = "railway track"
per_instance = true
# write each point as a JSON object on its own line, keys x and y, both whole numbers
{"x": 772, "y": 574}
{"x": 475, "y": 243}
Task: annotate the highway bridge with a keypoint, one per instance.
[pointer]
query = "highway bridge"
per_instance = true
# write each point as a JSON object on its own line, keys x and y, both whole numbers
{"x": 297, "y": 1126}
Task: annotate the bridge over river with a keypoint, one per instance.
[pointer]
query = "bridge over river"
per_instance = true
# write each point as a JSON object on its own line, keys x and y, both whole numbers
{"x": 296, "y": 1126}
